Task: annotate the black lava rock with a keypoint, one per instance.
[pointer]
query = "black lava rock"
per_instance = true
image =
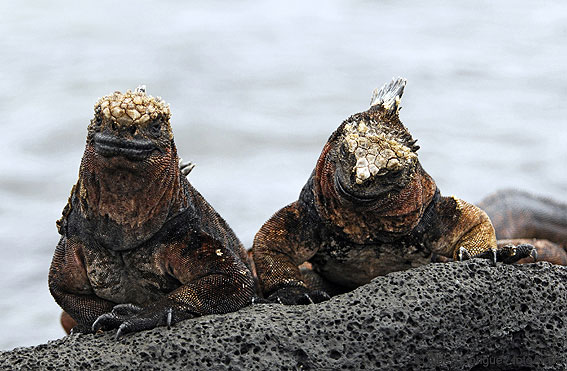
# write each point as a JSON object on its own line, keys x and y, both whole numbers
{"x": 469, "y": 316}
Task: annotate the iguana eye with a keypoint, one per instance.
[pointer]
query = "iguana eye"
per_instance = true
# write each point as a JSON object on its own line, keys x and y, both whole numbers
{"x": 155, "y": 128}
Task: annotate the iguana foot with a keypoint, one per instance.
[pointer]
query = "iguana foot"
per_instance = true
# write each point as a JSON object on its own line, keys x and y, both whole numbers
{"x": 132, "y": 318}
{"x": 259, "y": 300}
{"x": 119, "y": 314}
{"x": 298, "y": 296}
{"x": 508, "y": 254}
{"x": 186, "y": 167}
{"x": 81, "y": 329}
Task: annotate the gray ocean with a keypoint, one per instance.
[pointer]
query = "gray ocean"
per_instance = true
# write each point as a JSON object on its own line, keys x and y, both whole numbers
{"x": 256, "y": 88}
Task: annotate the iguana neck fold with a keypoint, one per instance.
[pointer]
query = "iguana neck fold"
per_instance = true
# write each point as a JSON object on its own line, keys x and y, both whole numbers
{"x": 394, "y": 213}
{"x": 128, "y": 204}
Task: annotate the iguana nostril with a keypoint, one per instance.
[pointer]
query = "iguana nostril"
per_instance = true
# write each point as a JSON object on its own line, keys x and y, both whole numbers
{"x": 132, "y": 129}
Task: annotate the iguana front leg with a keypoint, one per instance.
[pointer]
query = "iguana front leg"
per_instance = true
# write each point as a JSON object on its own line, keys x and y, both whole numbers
{"x": 207, "y": 295}
{"x": 70, "y": 286}
{"x": 468, "y": 233}
{"x": 544, "y": 250}
{"x": 278, "y": 250}
{"x": 215, "y": 280}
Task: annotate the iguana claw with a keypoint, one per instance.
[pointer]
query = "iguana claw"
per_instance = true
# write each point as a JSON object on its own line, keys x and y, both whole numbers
{"x": 132, "y": 318}
{"x": 141, "y": 323}
{"x": 116, "y": 317}
{"x": 309, "y": 298}
{"x": 297, "y": 295}
{"x": 169, "y": 318}
{"x": 533, "y": 254}
{"x": 463, "y": 254}
{"x": 512, "y": 254}
{"x": 508, "y": 254}
{"x": 149, "y": 319}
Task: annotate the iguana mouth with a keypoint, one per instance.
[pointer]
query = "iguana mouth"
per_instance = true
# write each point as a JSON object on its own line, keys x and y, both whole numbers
{"x": 133, "y": 149}
{"x": 387, "y": 186}
{"x": 349, "y": 195}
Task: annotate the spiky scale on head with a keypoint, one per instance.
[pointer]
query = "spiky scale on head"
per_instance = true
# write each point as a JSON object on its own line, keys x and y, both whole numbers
{"x": 132, "y": 108}
{"x": 389, "y": 95}
{"x": 377, "y": 148}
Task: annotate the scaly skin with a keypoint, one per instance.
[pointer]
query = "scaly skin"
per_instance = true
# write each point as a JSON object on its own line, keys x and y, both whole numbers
{"x": 520, "y": 217}
{"x": 368, "y": 209}
{"x": 140, "y": 247}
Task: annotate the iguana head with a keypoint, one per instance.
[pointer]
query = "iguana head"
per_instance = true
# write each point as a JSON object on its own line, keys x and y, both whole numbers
{"x": 129, "y": 180}
{"x": 375, "y": 152}
{"x": 132, "y": 125}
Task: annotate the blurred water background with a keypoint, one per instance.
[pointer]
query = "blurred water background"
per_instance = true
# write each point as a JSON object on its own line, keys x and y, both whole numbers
{"x": 256, "y": 88}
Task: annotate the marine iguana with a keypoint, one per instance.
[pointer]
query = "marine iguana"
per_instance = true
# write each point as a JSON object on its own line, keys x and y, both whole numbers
{"x": 140, "y": 247}
{"x": 520, "y": 217}
{"x": 367, "y": 209}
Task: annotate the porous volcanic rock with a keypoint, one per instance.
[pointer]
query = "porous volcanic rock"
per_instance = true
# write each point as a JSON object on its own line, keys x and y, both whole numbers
{"x": 441, "y": 316}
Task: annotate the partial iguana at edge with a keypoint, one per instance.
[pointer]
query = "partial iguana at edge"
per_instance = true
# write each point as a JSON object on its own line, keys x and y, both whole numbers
{"x": 520, "y": 217}
{"x": 140, "y": 247}
{"x": 367, "y": 209}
